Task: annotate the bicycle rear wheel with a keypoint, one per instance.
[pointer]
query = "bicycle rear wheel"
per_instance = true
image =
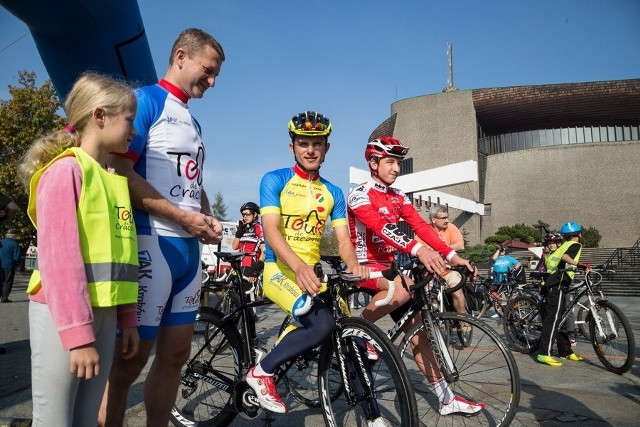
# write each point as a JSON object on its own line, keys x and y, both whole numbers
{"x": 205, "y": 394}
{"x": 486, "y": 373}
{"x": 523, "y": 324}
{"x": 613, "y": 340}
{"x": 372, "y": 388}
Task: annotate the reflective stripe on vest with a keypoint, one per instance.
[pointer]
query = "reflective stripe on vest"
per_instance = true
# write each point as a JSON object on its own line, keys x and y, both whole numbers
{"x": 104, "y": 216}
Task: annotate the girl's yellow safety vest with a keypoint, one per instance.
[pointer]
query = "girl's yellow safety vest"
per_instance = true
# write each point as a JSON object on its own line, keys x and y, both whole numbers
{"x": 553, "y": 259}
{"x": 108, "y": 239}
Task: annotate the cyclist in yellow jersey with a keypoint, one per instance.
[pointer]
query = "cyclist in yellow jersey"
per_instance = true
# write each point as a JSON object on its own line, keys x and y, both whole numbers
{"x": 296, "y": 204}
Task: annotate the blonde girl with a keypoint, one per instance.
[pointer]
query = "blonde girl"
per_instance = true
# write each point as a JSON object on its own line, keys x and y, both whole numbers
{"x": 86, "y": 283}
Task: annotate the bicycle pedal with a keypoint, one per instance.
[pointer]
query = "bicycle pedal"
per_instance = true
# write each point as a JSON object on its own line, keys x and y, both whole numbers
{"x": 246, "y": 401}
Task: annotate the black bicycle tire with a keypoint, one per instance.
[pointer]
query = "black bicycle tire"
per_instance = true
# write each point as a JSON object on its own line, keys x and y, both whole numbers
{"x": 294, "y": 387}
{"x": 468, "y": 385}
{"x": 181, "y": 418}
{"x": 401, "y": 390}
{"x": 516, "y": 331}
{"x": 630, "y": 356}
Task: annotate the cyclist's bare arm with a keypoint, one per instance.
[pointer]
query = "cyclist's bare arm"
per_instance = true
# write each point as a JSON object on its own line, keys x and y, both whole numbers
{"x": 144, "y": 196}
{"x": 306, "y": 278}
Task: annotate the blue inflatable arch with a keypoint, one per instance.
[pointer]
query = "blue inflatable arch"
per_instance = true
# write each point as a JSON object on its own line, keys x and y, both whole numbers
{"x": 73, "y": 36}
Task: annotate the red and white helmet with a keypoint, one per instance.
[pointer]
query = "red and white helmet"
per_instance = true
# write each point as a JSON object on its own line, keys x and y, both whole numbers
{"x": 385, "y": 146}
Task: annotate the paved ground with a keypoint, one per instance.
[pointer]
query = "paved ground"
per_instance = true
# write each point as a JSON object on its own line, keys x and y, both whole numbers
{"x": 577, "y": 393}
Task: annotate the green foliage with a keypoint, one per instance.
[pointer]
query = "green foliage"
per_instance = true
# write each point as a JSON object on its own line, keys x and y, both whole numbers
{"x": 497, "y": 239}
{"x": 518, "y": 232}
{"x": 29, "y": 114}
{"x": 591, "y": 237}
{"x": 219, "y": 208}
{"x": 329, "y": 243}
{"x": 479, "y": 253}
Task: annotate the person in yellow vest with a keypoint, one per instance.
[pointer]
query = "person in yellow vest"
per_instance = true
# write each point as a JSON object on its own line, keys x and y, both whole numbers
{"x": 557, "y": 262}
{"x": 86, "y": 283}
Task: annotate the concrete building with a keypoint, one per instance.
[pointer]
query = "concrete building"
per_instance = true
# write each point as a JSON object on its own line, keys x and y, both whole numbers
{"x": 557, "y": 153}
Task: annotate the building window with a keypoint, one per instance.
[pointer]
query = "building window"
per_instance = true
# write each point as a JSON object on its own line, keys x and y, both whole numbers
{"x": 523, "y": 140}
{"x": 406, "y": 167}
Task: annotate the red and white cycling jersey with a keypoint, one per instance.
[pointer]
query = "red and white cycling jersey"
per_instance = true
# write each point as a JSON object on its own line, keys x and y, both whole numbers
{"x": 374, "y": 211}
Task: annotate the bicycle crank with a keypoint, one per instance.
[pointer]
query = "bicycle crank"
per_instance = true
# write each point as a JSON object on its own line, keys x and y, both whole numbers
{"x": 246, "y": 401}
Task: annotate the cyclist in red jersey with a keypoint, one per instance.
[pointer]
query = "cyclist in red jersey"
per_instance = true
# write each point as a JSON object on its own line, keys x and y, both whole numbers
{"x": 250, "y": 238}
{"x": 374, "y": 209}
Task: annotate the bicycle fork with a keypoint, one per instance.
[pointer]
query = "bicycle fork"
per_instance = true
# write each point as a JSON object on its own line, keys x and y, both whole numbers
{"x": 356, "y": 372}
{"x": 439, "y": 347}
{"x": 599, "y": 323}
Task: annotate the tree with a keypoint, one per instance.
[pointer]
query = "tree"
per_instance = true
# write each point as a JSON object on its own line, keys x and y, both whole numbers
{"x": 219, "y": 208}
{"x": 591, "y": 237}
{"x": 30, "y": 113}
{"x": 478, "y": 253}
{"x": 520, "y": 232}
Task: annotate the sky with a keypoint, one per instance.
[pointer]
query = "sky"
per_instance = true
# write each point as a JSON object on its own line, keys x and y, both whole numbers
{"x": 351, "y": 59}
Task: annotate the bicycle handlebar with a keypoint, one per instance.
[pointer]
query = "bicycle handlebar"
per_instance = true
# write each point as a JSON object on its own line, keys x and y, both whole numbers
{"x": 390, "y": 276}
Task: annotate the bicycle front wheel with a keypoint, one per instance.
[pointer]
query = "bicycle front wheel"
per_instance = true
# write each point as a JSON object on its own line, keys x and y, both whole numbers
{"x": 302, "y": 376}
{"x": 375, "y": 383}
{"x": 485, "y": 372}
{"x": 205, "y": 394}
{"x": 522, "y": 324}
{"x": 612, "y": 337}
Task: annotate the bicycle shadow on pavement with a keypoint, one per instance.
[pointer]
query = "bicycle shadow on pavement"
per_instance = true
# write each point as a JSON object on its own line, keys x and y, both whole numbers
{"x": 552, "y": 408}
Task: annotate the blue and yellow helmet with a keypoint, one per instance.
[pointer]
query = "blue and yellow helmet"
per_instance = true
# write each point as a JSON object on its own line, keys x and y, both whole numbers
{"x": 309, "y": 123}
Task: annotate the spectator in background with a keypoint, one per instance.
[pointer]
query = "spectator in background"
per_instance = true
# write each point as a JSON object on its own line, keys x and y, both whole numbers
{"x": 502, "y": 265}
{"x": 449, "y": 233}
{"x": 10, "y": 255}
{"x": 8, "y": 208}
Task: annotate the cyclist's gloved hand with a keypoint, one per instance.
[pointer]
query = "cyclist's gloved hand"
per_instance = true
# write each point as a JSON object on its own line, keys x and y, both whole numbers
{"x": 584, "y": 266}
{"x": 240, "y": 230}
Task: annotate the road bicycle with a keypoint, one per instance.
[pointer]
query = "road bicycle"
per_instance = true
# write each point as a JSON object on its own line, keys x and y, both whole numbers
{"x": 213, "y": 391}
{"x": 483, "y": 370}
{"x": 610, "y": 332}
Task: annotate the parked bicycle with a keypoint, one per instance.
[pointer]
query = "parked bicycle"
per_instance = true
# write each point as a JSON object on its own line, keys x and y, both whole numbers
{"x": 482, "y": 295}
{"x": 356, "y": 389}
{"x": 610, "y": 333}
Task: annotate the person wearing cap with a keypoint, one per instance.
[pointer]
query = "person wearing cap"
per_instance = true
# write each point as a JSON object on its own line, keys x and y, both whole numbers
{"x": 558, "y": 264}
{"x": 10, "y": 254}
{"x": 296, "y": 204}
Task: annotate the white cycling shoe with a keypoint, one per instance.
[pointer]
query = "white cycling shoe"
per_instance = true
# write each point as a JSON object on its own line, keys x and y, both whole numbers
{"x": 460, "y": 405}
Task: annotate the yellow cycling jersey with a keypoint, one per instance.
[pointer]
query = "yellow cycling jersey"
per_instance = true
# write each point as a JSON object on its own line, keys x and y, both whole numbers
{"x": 304, "y": 205}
